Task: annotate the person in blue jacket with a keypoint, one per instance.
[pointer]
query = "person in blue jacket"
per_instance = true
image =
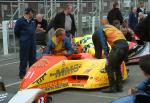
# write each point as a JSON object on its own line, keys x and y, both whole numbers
{"x": 25, "y": 30}
{"x": 141, "y": 92}
{"x": 133, "y": 18}
{"x": 59, "y": 44}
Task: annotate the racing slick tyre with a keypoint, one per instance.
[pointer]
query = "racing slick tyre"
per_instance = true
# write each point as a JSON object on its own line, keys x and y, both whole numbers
{"x": 49, "y": 99}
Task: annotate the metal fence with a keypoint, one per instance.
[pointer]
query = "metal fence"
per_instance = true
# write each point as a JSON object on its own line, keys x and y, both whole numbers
{"x": 87, "y": 13}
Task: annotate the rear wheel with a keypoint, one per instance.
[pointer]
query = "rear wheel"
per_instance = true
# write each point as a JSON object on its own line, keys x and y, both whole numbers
{"x": 49, "y": 99}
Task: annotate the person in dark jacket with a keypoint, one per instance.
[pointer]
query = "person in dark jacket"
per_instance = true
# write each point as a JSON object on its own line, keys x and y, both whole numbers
{"x": 41, "y": 29}
{"x": 141, "y": 9}
{"x": 66, "y": 21}
{"x": 114, "y": 16}
{"x": 41, "y": 23}
{"x": 143, "y": 29}
{"x": 133, "y": 19}
{"x": 25, "y": 31}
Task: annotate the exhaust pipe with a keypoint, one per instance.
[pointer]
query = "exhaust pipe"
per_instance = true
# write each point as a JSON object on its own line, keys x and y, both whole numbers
{"x": 2, "y": 86}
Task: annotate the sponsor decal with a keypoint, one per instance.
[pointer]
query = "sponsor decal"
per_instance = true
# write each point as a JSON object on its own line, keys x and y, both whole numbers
{"x": 78, "y": 85}
{"x": 103, "y": 84}
{"x": 41, "y": 64}
{"x": 57, "y": 86}
{"x": 38, "y": 81}
{"x": 42, "y": 98}
{"x": 102, "y": 78}
{"x": 103, "y": 70}
{"x": 66, "y": 70}
{"x": 87, "y": 71}
{"x": 63, "y": 63}
{"x": 29, "y": 75}
{"x": 54, "y": 85}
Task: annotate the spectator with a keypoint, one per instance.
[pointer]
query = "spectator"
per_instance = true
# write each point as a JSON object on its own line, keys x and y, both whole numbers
{"x": 133, "y": 19}
{"x": 66, "y": 21}
{"x": 143, "y": 86}
{"x": 128, "y": 33}
{"x": 141, "y": 8}
{"x": 114, "y": 16}
{"x": 41, "y": 29}
{"x": 141, "y": 17}
{"x": 25, "y": 31}
{"x": 143, "y": 29}
{"x": 59, "y": 44}
{"x": 141, "y": 92}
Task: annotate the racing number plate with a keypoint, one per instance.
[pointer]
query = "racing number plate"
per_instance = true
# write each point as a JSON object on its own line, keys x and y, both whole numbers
{"x": 42, "y": 98}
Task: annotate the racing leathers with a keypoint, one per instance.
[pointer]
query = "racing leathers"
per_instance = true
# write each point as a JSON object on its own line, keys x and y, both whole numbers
{"x": 57, "y": 48}
{"x": 118, "y": 53}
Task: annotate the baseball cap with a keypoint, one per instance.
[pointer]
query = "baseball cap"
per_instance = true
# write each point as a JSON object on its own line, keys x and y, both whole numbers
{"x": 27, "y": 10}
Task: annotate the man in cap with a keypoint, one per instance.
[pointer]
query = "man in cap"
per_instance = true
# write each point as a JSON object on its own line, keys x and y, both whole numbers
{"x": 25, "y": 31}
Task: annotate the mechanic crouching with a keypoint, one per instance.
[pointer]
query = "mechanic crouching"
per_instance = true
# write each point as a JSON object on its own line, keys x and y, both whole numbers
{"x": 59, "y": 44}
{"x": 118, "y": 53}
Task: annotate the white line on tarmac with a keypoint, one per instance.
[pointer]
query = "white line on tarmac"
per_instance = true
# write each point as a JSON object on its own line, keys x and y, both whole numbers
{"x": 99, "y": 95}
{"x": 12, "y": 84}
{"x": 8, "y": 64}
{"x": 8, "y": 59}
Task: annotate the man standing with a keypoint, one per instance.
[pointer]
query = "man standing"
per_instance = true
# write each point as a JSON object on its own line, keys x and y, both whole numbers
{"x": 114, "y": 59}
{"x": 141, "y": 8}
{"x": 143, "y": 29}
{"x": 41, "y": 29}
{"x": 114, "y": 16}
{"x": 133, "y": 19}
{"x": 66, "y": 21}
{"x": 25, "y": 31}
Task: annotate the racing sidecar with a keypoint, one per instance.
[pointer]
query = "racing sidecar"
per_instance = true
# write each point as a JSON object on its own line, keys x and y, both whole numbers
{"x": 137, "y": 50}
{"x": 53, "y": 73}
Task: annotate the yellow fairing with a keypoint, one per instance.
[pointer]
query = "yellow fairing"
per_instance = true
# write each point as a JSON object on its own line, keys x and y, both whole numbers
{"x": 85, "y": 43}
{"x": 87, "y": 74}
{"x": 77, "y": 39}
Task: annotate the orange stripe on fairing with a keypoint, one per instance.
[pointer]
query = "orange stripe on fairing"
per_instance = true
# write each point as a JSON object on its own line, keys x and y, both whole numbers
{"x": 69, "y": 80}
{"x": 42, "y": 65}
